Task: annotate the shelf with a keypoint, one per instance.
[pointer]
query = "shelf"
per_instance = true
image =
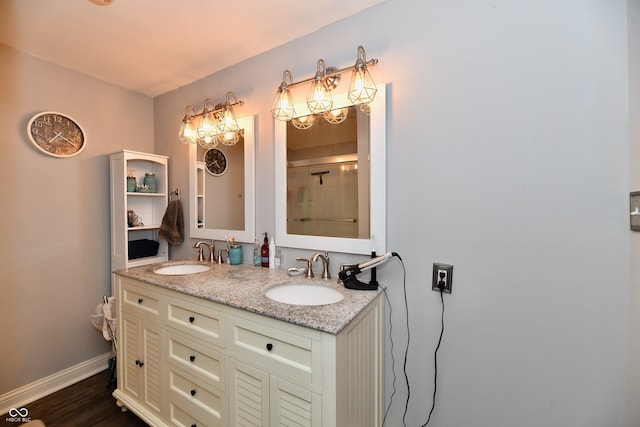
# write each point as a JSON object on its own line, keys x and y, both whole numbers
{"x": 135, "y": 193}
{"x": 144, "y": 227}
{"x": 144, "y": 261}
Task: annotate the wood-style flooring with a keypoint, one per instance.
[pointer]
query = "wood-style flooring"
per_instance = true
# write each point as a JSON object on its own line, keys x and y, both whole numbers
{"x": 85, "y": 404}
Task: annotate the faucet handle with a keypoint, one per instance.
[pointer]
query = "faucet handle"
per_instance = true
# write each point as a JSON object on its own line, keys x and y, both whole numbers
{"x": 220, "y": 255}
{"x": 309, "y": 273}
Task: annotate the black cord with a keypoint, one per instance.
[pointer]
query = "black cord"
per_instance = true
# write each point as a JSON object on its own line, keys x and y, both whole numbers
{"x": 393, "y": 360}
{"x": 435, "y": 362}
{"x": 406, "y": 351}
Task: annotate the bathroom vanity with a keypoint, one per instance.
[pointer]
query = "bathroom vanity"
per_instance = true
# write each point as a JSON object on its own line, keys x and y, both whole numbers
{"x": 210, "y": 349}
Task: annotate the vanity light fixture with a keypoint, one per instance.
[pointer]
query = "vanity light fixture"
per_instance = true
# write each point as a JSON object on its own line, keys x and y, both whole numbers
{"x": 362, "y": 91}
{"x": 215, "y": 124}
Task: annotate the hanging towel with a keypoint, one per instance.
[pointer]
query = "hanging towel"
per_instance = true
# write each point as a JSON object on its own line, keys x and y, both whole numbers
{"x": 172, "y": 228}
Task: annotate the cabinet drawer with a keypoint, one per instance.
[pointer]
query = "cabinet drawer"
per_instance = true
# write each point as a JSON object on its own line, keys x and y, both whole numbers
{"x": 139, "y": 301}
{"x": 284, "y": 348}
{"x": 193, "y": 402}
{"x": 202, "y": 322}
{"x": 196, "y": 359}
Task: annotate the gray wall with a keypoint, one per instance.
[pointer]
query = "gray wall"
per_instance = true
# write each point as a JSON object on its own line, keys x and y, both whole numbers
{"x": 508, "y": 156}
{"x": 54, "y": 233}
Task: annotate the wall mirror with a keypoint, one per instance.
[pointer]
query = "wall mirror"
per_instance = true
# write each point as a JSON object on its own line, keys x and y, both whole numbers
{"x": 331, "y": 180}
{"x": 222, "y": 188}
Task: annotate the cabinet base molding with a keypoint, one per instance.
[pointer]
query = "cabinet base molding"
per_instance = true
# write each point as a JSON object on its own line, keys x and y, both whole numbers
{"x": 43, "y": 387}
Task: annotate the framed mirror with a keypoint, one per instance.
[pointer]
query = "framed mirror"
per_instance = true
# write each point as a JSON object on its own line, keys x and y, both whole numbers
{"x": 331, "y": 180}
{"x": 222, "y": 188}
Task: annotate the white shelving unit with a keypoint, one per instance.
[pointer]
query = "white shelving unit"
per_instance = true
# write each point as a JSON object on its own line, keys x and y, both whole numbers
{"x": 150, "y": 207}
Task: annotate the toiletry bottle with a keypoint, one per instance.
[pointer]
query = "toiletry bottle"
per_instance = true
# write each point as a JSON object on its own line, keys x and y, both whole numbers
{"x": 264, "y": 252}
{"x": 278, "y": 258}
{"x": 256, "y": 253}
{"x": 272, "y": 253}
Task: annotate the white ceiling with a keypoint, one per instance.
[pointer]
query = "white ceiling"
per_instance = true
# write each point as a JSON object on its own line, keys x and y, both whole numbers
{"x": 154, "y": 46}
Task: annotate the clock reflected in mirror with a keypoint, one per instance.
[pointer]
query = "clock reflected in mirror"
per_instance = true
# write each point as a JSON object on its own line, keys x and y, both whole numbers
{"x": 56, "y": 134}
{"x": 215, "y": 161}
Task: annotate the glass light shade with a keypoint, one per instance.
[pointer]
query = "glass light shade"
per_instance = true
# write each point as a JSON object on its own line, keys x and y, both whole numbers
{"x": 228, "y": 122}
{"x": 206, "y": 128}
{"x": 304, "y": 122}
{"x": 336, "y": 116}
{"x": 362, "y": 89}
{"x": 282, "y": 108}
{"x": 319, "y": 99}
{"x": 228, "y": 138}
{"x": 187, "y": 132}
{"x": 208, "y": 143}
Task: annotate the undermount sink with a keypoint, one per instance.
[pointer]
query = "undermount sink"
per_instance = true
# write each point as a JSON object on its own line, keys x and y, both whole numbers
{"x": 180, "y": 269}
{"x": 304, "y": 294}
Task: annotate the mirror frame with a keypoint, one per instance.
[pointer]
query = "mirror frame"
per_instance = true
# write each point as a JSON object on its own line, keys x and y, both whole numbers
{"x": 378, "y": 181}
{"x": 242, "y": 236}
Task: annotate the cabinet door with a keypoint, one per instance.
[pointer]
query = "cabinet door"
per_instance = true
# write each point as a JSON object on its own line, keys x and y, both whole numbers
{"x": 292, "y": 405}
{"x": 142, "y": 373}
{"x": 260, "y": 399}
{"x": 248, "y": 395}
{"x": 129, "y": 378}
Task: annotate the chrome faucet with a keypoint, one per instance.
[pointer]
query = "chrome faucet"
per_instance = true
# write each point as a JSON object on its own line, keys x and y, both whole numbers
{"x": 199, "y": 246}
{"x": 325, "y": 263}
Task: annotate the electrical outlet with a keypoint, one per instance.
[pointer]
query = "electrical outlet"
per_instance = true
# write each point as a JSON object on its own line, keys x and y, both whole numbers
{"x": 442, "y": 277}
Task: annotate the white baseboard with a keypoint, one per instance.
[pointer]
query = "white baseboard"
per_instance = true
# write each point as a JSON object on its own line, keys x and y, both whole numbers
{"x": 20, "y": 397}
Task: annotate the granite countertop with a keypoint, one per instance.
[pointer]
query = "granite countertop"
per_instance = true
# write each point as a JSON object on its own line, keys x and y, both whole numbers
{"x": 243, "y": 286}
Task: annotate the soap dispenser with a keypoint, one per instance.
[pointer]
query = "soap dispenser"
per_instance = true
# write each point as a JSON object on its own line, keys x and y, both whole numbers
{"x": 264, "y": 252}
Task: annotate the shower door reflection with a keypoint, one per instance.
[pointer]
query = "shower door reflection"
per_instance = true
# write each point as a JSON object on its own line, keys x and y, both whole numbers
{"x": 323, "y": 201}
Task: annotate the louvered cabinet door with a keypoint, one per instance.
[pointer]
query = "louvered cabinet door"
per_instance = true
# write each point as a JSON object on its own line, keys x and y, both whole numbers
{"x": 249, "y": 395}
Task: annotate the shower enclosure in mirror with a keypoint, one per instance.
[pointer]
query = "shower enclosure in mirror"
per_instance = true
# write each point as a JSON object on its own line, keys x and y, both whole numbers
{"x": 330, "y": 180}
{"x": 221, "y": 188}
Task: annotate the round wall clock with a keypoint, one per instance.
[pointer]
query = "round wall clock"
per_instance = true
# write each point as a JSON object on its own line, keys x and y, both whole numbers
{"x": 56, "y": 134}
{"x": 215, "y": 161}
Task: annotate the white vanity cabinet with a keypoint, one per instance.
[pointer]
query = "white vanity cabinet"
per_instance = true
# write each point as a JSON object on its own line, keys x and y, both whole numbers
{"x": 223, "y": 366}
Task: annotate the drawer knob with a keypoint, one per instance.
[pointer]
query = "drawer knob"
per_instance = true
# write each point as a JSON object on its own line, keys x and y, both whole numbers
{"x": 191, "y": 319}
{"x": 140, "y": 300}
{"x": 269, "y": 346}
{"x": 193, "y": 392}
{"x": 192, "y": 357}
{"x": 139, "y": 363}
{"x": 193, "y": 425}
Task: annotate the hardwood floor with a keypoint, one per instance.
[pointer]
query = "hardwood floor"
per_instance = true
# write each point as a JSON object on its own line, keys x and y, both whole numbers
{"x": 87, "y": 403}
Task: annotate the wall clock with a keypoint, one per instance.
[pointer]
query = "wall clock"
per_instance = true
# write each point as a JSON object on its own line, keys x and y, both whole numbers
{"x": 56, "y": 134}
{"x": 215, "y": 161}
